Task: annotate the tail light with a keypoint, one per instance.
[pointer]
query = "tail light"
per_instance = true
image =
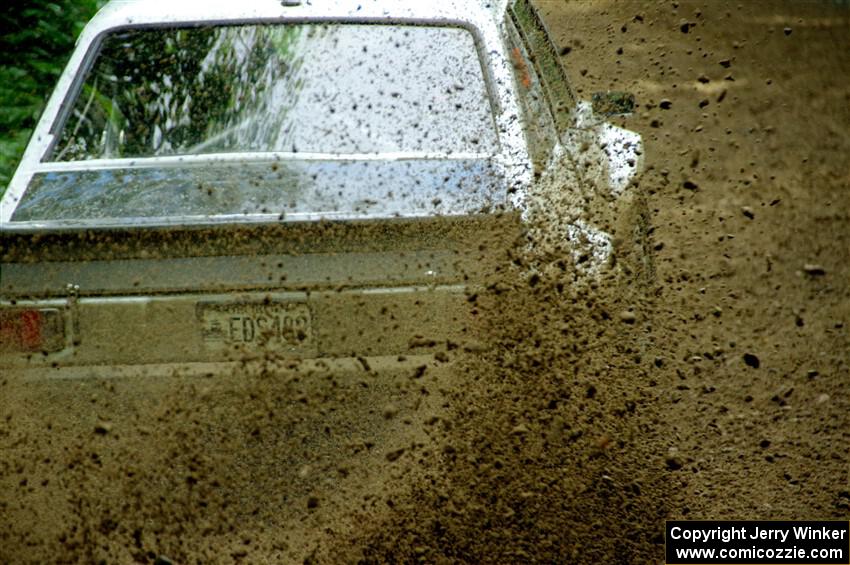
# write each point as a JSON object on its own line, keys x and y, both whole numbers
{"x": 32, "y": 330}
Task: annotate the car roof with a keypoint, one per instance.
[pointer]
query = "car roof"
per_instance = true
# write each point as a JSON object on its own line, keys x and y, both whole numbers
{"x": 141, "y": 12}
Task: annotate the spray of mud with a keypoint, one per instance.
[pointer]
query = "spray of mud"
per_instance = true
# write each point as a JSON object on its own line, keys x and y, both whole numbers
{"x": 579, "y": 415}
{"x": 521, "y": 440}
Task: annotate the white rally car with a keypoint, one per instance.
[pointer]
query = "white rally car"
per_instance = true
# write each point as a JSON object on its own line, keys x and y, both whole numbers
{"x": 217, "y": 180}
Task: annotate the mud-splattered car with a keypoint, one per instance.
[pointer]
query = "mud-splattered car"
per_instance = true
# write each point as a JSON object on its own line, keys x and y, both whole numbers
{"x": 211, "y": 182}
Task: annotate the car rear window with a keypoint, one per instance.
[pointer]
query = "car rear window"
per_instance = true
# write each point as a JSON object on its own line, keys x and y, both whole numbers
{"x": 294, "y": 88}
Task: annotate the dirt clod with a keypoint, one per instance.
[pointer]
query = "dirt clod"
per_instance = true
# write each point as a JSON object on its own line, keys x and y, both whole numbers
{"x": 674, "y": 463}
{"x": 752, "y": 360}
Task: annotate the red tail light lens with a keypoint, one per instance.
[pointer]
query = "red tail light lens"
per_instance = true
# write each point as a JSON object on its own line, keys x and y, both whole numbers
{"x": 24, "y": 330}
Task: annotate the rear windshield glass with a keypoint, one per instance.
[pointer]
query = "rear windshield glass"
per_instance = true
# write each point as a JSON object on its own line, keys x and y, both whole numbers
{"x": 294, "y": 88}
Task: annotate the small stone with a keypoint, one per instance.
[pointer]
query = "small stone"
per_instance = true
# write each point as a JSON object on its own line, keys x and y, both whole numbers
{"x": 814, "y": 270}
{"x": 748, "y": 212}
{"x": 628, "y": 317}
{"x": 473, "y": 346}
{"x": 163, "y": 560}
{"x": 823, "y": 398}
{"x": 103, "y": 428}
{"x": 421, "y": 341}
{"x": 787, "y": 31}
{"x": 665, "y": 104}
{"x": 520, "y": 429}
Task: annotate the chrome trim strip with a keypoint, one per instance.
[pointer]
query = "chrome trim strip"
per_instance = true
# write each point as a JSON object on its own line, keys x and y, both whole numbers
{"x": 253, "y": 157}
{"x": 203, "y": 221}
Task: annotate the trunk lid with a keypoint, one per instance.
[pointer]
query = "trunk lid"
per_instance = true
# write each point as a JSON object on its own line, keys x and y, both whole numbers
{"x": 293, "y": 289}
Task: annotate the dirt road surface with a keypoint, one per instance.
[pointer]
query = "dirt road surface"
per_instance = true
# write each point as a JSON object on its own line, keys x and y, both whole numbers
{"x": 588, "y": 415}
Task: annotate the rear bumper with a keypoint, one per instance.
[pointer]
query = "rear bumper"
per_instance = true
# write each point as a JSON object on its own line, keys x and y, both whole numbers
{"x": 163, "y": 333}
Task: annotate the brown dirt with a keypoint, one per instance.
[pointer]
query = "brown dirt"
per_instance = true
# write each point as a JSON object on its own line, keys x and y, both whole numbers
{"x": 578, "y": 431}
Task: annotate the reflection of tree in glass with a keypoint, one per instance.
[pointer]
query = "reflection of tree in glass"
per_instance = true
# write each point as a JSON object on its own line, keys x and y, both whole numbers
{"x": 174, "y": 91}
{"x": 265, "y": 59}
{"x": 296, "y": 88}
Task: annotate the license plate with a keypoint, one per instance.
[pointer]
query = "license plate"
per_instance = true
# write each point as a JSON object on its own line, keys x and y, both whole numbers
{"x": 283, "y": 326}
